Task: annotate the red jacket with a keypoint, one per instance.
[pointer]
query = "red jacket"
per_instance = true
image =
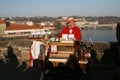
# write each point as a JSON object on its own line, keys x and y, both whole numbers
{"x": 75, "y": 30}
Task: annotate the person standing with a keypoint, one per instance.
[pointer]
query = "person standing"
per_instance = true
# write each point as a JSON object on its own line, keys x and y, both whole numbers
{"x": 118, "y": 38}
{"x": 73, "y": 32}
{"x": 36, "y": 54}
{"x": 118, "y": 32}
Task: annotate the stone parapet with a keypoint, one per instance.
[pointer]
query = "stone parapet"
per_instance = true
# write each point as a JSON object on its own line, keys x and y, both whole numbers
{"x": 21, "y": 49}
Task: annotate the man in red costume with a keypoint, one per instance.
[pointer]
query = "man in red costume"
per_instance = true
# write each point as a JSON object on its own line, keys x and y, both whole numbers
{"x": 72, "y": 31}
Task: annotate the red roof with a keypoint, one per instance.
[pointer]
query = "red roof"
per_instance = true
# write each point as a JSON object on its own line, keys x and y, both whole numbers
{"x": 21, "y": 27}
{"x": 2, "y": 22}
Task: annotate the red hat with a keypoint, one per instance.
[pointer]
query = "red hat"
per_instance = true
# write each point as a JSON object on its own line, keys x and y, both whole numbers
{"x": 71, "y": 19}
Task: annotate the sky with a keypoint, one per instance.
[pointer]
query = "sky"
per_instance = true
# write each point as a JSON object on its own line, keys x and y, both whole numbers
{"x": 55, "y": 8}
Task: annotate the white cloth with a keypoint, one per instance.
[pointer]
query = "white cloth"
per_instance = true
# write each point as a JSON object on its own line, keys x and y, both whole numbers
{"x": 35, "y": 49}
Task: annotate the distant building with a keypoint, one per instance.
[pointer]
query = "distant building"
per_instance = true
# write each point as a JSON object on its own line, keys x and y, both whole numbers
{"x": 83, "y": 22}
{"x": 64, "y": 17}
{"x": 25, "y": 30}
{"x": 80, "y": 22}
{"x": 2, "y": 26}
{"x": 30, "y": 23}
{"x": 46, "y": 23}
{"x": 42, "y": 24}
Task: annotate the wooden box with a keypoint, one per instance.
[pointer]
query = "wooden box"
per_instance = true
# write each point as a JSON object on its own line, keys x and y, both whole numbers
{"x": 63, "y": 50}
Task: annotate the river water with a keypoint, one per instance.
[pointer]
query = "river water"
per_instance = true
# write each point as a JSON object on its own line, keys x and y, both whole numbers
{"x": 99, "y": 35}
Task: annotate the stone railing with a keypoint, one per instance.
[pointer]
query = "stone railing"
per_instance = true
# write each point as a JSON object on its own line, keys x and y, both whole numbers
{"x": 21, "y": 49}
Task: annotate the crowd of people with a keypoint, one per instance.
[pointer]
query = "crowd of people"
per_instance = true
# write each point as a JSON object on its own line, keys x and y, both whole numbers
{"x": 70, "y": 70}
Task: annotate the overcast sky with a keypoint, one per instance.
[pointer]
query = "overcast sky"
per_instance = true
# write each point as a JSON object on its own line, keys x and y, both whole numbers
{"x": 55, "y": 8}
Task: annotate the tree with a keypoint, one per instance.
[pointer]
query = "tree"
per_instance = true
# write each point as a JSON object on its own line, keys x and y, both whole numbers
{"x": 58, "y": 25}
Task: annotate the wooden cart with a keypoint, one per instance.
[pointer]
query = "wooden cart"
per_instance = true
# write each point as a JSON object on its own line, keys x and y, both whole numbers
{"x": 61, "y": 49}
{"x": 62, "y": 52}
